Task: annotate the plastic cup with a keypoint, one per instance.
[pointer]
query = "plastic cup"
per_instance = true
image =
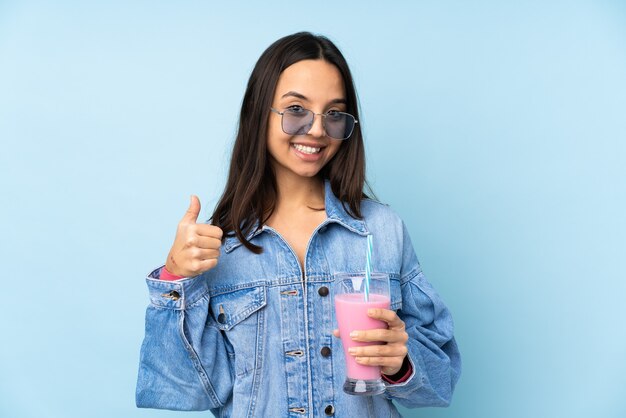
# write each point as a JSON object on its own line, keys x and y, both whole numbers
{"x": 351, "y": 313}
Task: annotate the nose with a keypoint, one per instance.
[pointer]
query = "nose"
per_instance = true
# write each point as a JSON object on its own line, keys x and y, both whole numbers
{"x": 317, "y": 129}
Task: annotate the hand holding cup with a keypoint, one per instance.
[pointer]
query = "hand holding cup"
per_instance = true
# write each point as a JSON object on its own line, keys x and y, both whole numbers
{"x": 388, "y": 356}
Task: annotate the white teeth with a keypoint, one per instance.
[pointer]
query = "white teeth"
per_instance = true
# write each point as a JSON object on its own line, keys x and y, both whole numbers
{"x": 306, "y": 150}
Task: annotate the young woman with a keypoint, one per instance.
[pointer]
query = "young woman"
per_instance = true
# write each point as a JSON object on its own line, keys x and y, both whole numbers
{"x": 241, "y": 319}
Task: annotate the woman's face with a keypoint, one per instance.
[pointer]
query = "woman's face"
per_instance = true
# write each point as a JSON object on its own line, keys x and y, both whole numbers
{"x": 309, "y": 84}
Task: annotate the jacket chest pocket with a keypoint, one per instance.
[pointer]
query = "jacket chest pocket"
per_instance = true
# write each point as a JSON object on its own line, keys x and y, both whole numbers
{"x": 239, "y": 314}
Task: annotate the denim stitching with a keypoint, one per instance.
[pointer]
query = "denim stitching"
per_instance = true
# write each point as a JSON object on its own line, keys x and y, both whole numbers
{"x": 206, "y": 383}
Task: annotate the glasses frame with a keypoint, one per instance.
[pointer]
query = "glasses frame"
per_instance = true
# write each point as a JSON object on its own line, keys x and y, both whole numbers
{"x": 323, "y": 115}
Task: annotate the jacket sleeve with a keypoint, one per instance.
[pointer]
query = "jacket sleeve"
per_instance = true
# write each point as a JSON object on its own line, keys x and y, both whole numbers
{"x": 433, "y": 352}
{"x": 184, "y": 362}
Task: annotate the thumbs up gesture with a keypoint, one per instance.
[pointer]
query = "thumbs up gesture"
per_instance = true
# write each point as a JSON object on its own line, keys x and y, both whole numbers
{"x": 196, "y": 247}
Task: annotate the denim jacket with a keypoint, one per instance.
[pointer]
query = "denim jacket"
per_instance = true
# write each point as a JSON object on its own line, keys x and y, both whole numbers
{"x": 245, "y": 339}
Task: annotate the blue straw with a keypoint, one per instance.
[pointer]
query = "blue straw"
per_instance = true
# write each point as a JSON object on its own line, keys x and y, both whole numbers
{"x": 368, "y": 268}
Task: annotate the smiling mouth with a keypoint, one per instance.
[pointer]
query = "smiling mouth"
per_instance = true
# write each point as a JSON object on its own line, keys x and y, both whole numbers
{"x": 306, "y": 150}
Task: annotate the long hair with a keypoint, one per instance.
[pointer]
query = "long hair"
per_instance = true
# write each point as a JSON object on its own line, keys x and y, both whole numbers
{"x": 250, "y": 193}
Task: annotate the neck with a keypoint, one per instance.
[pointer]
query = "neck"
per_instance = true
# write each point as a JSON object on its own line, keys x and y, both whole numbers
{"x": 299, "y": 192}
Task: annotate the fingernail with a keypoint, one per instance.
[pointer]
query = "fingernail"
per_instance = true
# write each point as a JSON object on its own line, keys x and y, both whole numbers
{"x": 354, "y": 334}
{"x": 352, "y": 350}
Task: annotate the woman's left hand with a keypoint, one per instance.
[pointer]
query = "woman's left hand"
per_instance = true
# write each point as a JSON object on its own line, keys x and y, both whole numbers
{"x": 388, "y": 356}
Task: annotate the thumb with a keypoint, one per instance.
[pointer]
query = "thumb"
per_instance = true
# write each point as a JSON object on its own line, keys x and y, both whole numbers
{"x": 191, "y": 216}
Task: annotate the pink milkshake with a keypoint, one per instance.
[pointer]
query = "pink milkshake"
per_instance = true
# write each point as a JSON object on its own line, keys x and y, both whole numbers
{"x": 351, "y": 310}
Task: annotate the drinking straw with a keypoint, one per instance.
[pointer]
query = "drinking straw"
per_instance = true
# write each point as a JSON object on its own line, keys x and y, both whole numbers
{"x": 368, "y": 268}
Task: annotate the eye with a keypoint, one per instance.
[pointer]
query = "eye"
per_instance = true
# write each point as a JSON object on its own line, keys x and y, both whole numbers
{"x": 334, "y": 114}
{"x": 295, "y": 109}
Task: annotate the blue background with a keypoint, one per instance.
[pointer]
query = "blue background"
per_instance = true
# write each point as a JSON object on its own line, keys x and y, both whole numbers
{"x": 496, "y": 130}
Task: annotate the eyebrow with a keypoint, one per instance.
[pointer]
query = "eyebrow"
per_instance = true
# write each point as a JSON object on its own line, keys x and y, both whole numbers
{"x": 302, "y": 97}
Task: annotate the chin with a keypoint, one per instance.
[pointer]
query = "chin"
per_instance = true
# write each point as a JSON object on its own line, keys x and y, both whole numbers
{"x": 297, "y": 168}
{"x": 307, "y": 173}
{"x": 305, "y": 170}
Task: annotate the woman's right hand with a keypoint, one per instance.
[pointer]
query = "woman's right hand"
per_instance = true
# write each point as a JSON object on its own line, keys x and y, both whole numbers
{"x": 196, "y": 247}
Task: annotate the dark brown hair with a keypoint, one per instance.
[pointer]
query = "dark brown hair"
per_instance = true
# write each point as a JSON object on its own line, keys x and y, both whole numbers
{"x": 249, "y": 197}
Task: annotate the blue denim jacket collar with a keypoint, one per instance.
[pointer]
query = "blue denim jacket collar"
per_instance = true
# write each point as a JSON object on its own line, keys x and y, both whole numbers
{"x": 335, "y": 213}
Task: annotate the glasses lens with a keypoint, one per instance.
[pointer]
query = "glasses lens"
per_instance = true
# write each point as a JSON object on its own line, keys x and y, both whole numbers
{"x": 338, "y": 125}
{"x": 297, "y": 121}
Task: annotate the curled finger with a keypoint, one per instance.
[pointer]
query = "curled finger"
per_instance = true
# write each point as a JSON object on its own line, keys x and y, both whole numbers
{"x": 387, "y": 315}
{"x": 383, "y": 335}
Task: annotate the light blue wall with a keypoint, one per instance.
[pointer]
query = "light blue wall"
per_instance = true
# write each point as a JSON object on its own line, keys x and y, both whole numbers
{"x": 496, "y": 130}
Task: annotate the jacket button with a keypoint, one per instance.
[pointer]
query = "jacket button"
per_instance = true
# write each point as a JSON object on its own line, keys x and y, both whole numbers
{"x": 221, "y": 318}
{"x": 325, "y": 351}
{"x": 323, "y": 291}
{"x": 329, "y": 410}
{"x": 174, "y": 295}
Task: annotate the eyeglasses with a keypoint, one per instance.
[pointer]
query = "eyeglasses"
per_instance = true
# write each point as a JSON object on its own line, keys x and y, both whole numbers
{"x": 297, "y": 120}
